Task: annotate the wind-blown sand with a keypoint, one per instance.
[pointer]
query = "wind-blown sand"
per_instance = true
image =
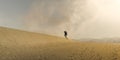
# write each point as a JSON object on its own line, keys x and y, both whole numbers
{"x": 21, "y": 45}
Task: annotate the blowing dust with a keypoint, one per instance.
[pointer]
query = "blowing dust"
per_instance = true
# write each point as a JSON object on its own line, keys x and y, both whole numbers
{"x": 55, "y": 16}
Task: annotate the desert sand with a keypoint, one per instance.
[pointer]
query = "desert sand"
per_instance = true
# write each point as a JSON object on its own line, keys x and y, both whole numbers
{"x": 22, "y": 45}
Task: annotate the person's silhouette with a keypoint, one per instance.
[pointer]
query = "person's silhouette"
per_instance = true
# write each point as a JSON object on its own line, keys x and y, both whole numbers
{"x": 65, "y": 34}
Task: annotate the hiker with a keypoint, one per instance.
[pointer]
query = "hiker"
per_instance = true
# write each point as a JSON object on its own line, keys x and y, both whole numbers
{"x": 65, "y": 34}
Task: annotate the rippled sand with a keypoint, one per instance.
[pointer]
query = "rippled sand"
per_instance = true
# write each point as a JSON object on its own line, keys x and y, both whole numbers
{"x": 21, "y": 45}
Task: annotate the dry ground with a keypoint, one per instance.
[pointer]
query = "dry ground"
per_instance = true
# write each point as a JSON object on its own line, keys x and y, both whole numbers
{"x": 20, "y": 45}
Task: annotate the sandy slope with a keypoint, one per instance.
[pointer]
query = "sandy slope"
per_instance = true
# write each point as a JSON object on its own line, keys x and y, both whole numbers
{"x": 20, "y": 45}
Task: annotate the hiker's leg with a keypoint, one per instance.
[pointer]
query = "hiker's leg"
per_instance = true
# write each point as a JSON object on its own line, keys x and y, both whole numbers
{"x": 66, "y": 37}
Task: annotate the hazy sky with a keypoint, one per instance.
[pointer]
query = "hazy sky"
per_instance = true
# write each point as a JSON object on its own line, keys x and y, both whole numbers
{"x": 81, "y": 18}
{"x": 12, "y": 11}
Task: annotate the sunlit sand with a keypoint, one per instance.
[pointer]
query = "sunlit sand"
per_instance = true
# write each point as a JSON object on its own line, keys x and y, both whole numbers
{"x": 21, "y": 45}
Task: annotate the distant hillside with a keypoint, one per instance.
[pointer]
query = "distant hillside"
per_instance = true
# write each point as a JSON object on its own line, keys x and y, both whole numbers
{"x": 106, "y": 40}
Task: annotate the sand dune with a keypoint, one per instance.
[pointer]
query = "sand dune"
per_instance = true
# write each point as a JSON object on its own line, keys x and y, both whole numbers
{"x": 21, "y": 45}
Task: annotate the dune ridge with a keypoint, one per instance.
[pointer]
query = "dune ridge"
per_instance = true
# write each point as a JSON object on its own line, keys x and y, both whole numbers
{"x": 21, "y": 45}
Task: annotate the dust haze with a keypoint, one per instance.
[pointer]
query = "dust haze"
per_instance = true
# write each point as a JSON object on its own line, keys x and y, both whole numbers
{"x": 85, "y": 18}
{"x": 55, "y": 16}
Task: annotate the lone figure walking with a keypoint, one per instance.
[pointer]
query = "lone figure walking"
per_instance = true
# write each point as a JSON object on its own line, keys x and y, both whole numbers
{"x": 65, "y": 34}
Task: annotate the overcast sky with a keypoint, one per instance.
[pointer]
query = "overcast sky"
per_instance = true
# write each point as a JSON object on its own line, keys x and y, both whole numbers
{"x": 12, "y": 11}
{"x": 81, "y": 18}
